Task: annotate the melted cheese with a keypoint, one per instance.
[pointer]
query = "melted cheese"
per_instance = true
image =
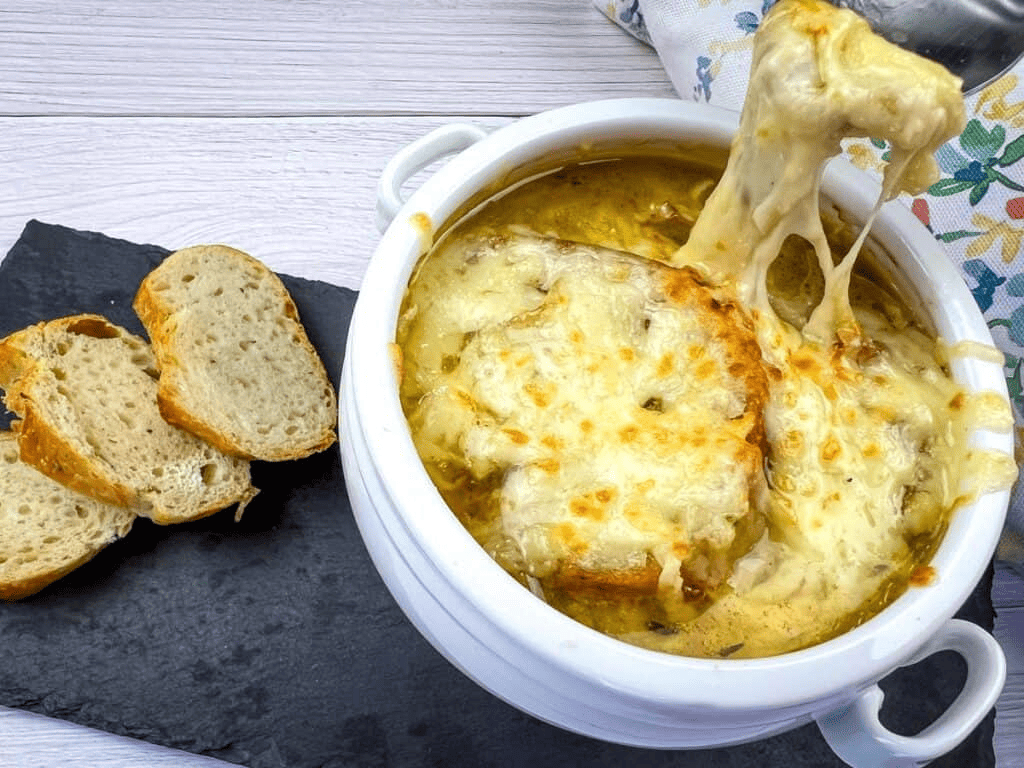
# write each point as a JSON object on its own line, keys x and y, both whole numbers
{"x": 601, "y": 389}
{"x": 818, "y": 75}
{"x": 574, "y": 409}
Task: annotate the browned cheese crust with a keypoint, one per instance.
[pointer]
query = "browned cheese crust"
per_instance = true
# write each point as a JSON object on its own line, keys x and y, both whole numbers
{"x": 704, "y": 569}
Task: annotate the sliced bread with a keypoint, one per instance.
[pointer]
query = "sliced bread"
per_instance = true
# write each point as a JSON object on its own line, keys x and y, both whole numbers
{"x": 48, "y": 530}
{"x": 236, "y": 366}
{"x": 86, "y": 394}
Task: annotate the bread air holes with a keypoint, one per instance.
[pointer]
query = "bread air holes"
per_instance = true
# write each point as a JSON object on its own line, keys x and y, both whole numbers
{"x": 93, "y": 327}
{"x": 144, "y": 363}
{"x": 210, "y": 474}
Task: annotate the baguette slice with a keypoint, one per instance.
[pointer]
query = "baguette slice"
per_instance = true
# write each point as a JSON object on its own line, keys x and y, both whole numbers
{"x": 236, "y": 366}
{"x": 47, "y": 529}
{"x": 85, "y": 391}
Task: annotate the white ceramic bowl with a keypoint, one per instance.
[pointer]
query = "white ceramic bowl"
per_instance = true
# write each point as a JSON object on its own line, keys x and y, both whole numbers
{"x": 558, "y": 670}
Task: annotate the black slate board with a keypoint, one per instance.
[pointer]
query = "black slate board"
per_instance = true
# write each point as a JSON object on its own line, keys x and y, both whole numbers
{"x": 272, "y": 642}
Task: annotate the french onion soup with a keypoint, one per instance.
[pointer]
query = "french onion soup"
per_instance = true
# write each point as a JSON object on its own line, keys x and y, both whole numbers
{"x": 662, "y": 395}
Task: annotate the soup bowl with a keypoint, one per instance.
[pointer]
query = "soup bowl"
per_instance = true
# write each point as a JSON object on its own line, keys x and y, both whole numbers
{"x": 562, "y": 672}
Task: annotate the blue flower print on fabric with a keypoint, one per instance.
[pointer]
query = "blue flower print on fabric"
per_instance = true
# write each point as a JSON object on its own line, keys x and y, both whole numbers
{"x": 987, "y": 282}
{"x": 1014, "y": 325}
{"x": 632, "y": 19}
{"x": 975, "y": 166}
{"x": 748, "y": 21}
{"x": 702, "y": 90}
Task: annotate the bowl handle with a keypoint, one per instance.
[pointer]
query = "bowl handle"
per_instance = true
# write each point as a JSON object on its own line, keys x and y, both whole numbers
{"x": 414, "y": 157}
{"x": 855, "y": 733}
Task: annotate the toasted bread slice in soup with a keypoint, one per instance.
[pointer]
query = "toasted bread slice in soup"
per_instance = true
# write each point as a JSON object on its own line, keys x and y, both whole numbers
{"x": 48, "y": 530}
{"x": 236, "y": 366}
{"x": 85, "y": 391}
{"x": 613, "y": 404}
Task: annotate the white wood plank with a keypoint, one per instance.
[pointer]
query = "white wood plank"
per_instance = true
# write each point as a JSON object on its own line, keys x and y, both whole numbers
{"x": 1008, "y": 600}
{"x": 297, "y": 193}
{"x": 316, "y": 57}
{"x": 35, "y": 741}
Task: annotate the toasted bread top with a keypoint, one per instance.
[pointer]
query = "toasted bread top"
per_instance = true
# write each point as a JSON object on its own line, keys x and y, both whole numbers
{"x": 619, "y": 401}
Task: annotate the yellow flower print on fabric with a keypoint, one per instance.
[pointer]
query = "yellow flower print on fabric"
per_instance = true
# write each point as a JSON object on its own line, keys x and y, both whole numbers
{"x": 991, "y": 231}
{"x": 994, "y": 104}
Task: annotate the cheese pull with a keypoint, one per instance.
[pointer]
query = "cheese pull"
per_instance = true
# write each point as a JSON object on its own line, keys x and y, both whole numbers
{"x": 818, "y": 75}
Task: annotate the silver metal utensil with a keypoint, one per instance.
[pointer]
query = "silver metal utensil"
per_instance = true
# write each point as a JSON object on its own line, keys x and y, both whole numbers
{"x": 978, "y": 40}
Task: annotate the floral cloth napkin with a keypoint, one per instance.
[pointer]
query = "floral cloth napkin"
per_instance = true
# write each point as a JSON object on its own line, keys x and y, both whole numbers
{"x": 976, "y": 209}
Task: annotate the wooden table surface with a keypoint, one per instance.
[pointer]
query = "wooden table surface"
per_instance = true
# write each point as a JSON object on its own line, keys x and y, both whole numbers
{"x": 265, "y": 124}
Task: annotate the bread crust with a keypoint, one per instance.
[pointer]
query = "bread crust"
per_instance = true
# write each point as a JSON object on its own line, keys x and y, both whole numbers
{"x": 19, "y": 589}
{"x": 174, "y": 413}
{"x": 577, "y": 580}
{"x": 167, "y": 309}
{"x": 71, "y": 527}
{"x": 39, "y": 442}
{"x": 26, "y": 374}
{"x": 42, "y": 446}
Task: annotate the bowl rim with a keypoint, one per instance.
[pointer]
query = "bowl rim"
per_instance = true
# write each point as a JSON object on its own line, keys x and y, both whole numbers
{"x": 852, "y": 660}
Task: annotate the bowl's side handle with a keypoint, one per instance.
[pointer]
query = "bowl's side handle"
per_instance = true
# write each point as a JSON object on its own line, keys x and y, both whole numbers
{"x": 855, "y": 733}
{"x": 414, "y": 157}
